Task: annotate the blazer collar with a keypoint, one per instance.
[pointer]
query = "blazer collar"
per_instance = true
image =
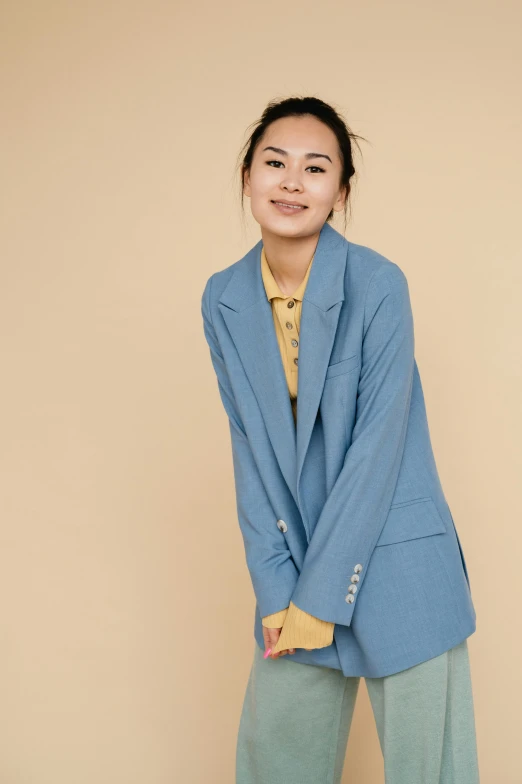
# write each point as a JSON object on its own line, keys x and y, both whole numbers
{"x": 325, "y": 285}
{"x": 248, "y": 316}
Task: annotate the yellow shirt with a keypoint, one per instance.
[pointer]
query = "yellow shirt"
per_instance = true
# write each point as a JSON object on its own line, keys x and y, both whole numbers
{"x": 299, "y": 629}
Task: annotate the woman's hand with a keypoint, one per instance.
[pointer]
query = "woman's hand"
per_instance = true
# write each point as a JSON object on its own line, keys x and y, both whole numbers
{"x": 271, "y": 636}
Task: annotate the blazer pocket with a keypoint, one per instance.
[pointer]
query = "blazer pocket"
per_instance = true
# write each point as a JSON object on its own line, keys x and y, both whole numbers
{"x": 411, "y": 520}
{"x": 343, "y": 366}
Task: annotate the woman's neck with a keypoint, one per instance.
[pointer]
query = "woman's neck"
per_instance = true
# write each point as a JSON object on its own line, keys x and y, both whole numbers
{"x": 288, "y": 258}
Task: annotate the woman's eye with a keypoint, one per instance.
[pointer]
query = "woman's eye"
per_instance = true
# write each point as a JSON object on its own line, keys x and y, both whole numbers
{"x": 281, "y": 162}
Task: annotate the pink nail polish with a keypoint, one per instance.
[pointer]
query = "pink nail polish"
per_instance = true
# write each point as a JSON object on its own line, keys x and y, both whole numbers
{"x": 267, "y": 653}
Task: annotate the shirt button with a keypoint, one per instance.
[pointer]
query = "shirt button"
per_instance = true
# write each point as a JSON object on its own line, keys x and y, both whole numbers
{"x": 295, "y": 360}
{"x": 289, "y": 325}
{"x": 282, "y": 526}
{"x": 294, "y": 342}
{"x": 291, "y": 304}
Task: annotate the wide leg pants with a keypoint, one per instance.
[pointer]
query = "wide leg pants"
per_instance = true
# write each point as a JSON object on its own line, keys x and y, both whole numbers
{"x": 296, "y": 719}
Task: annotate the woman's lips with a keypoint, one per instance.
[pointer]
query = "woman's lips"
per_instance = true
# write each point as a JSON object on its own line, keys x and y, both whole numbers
{"x": 288, "y": 209}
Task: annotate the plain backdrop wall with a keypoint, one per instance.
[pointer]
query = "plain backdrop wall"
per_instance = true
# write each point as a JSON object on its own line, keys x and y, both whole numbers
{"x": 126, "y": 610}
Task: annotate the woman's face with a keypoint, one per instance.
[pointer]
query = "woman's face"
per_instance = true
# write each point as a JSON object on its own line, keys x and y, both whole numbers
{"x": 297, "y": 160}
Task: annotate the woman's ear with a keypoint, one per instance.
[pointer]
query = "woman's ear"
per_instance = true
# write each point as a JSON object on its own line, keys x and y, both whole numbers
{"x": 246, "y": 183}
{"x": 341, "y": 199}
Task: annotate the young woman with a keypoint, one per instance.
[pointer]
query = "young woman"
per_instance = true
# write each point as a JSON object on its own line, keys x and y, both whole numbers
{"x": 355, "y": 561}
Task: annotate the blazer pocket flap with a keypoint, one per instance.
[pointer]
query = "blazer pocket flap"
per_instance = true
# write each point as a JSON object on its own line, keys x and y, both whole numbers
{"x": 411, "y": 520}
{"x": 343, "y": 366}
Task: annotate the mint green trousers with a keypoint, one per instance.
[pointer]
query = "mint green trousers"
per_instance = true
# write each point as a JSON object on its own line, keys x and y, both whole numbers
{"x": 296, "y": 719}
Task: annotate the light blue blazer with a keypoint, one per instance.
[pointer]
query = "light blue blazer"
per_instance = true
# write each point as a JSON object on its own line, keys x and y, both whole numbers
{"x": 344, "y": 514}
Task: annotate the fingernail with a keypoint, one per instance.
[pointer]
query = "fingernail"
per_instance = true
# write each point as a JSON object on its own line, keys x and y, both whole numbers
{"x": 267, "y": 653}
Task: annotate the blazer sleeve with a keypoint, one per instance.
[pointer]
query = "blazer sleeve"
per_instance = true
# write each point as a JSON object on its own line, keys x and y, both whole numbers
{"x": 356, "y": 509}
{"x": 272, "y": 570}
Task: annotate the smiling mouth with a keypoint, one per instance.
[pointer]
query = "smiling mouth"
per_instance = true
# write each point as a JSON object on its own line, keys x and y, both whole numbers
{"x": 291, "y": 206}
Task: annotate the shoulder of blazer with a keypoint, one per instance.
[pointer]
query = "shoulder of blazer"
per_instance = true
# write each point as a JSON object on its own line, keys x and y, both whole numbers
{"x": 372, "y": 265}
{"x": 218, "y": 281}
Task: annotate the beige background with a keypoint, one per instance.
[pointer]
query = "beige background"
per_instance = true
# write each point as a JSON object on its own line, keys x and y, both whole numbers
{"x": 126, "y": 611}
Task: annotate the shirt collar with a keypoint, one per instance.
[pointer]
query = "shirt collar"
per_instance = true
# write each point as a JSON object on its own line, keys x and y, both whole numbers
{"x": 271, "y": 287}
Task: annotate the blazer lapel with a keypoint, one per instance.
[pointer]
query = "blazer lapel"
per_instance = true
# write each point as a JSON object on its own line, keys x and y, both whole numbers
{"x": 321, "y": 306}
{"x": 248, "y": 316}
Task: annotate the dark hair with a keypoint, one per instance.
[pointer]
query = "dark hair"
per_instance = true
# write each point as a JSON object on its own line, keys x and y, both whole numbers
{"x": 297, "y": 107}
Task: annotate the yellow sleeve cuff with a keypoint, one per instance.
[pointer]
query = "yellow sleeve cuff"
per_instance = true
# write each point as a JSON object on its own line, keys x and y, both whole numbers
{"x": 276, "y": 620}
{"x": 302, "y": 630}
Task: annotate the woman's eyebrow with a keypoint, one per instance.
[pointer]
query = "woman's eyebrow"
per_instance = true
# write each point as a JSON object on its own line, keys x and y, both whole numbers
{"x": 307, "y": 156}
